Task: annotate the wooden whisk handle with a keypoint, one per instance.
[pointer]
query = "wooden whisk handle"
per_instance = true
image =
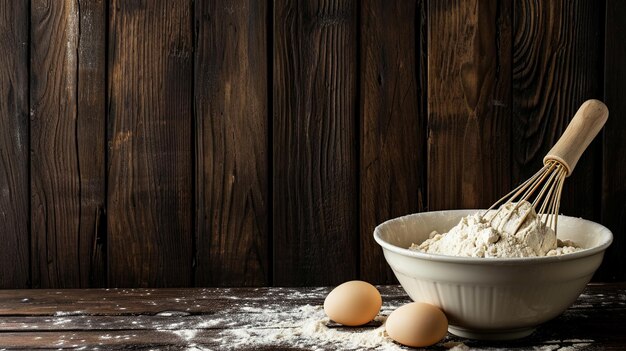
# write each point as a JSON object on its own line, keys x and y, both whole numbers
{"x": 585, "y": 125}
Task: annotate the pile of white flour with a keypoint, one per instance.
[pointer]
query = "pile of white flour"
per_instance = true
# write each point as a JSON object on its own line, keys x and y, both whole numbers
{"x": 308, "y": 332}
{"x": 495, "y": 235}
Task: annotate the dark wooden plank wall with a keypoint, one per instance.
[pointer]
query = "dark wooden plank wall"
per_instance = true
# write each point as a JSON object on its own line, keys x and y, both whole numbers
{"x": 469, "y": 102}
{"x": 67, "y": 142}
{"x": 14, "y": 155}
{"x": 314, "y": 148}
{"x": 150, "y": 173}
{"x": 614, "y": 143}
{"x": 232, "y": 157}
{"x": 246, "y": 142}
{"x": 393, "y": 122}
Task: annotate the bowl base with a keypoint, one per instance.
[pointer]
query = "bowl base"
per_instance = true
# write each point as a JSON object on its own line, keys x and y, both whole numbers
{"x": 504, "y": 334}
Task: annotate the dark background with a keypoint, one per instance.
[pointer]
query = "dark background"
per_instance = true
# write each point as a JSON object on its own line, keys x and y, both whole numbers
{"x": 210, "y": 142}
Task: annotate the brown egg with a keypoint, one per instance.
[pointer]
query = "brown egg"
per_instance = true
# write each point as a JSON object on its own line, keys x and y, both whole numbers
{"x": 417, "y": 324}
{"x": 353, "y": 303}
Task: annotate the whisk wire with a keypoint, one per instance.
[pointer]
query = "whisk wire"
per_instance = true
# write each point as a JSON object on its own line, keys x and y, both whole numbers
{"x": 552, "y": 212}
{"x": 548, "y": 209}
{"x": 541, "y": 193}
{"x": 558, "y": 199}
{"x": 531, "y": 190}
{"x": 549, "y": 187}
{"x": 547, "y": 184}
{"x": 551, "y": 175}
{"x": 515, "y": 192}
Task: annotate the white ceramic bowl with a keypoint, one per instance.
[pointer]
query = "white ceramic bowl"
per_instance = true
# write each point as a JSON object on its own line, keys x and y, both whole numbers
{"x": 491, "y": 298}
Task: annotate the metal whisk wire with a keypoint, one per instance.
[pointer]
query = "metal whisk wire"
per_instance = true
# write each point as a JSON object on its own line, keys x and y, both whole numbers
{"x": 552, "y": 175}
{"x": 558, "y": 165}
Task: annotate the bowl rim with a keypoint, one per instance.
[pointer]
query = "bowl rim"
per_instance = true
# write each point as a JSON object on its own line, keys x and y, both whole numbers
{"x": 487, "y": 260}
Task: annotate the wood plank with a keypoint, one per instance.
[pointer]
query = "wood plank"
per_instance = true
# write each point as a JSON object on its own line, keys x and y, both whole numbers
{"x": 123, "y": 302}
{"x": 141, "y": 309}
{"x": 393, "y": 123}
{"x": 150, "y": 173}
{"x": 469, "y": 102}
{"x": 231, "y": 119}
{"x": 91, "y": 339}
{"x": 614, "y": 143}
{"x": 256, "y": 319}
{"x": 157, "y": 346}
{"x": 72, "y": 304}
{"x": 557, "y": 334}
{"x": 212, "y": 340}
{"x": 123, "y": 322}
{"x": 14, "y": 149}
{"x": 67, "y": 142}
{"x": 557, "y": 65}
{"x": 315, "y": 212}
{"x": 91, "y": 135}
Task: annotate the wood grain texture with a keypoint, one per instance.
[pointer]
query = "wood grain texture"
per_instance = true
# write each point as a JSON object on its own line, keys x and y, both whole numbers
{"x": 14, "y": 187}
{"x": 270, "y": 137}
{"x": 231, "y": 107}
{"x": 557, "y": 65}
{"x": 67, "y": 142}
{"x": 150, "y": 173}
{"x": 393, "y": 134}
{"x": 242, "y": 319}
{"x": 469, "y": 102}
{"x": 315, "y": 160}
{"x": 614, "y": 143}
{"x": 91, "y": 136}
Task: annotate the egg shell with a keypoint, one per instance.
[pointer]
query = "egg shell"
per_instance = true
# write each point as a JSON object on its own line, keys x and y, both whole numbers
{"x": 353, "y": 303}
{"x": 417, "y": 324}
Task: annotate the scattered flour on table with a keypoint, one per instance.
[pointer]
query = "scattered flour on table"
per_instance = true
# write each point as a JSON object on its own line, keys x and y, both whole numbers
{"x": 186, "y": 334}
{"x": 68, "y": 313}
{"x": 309, "y": 332}
{"x": 557, "y": 347}
{"x": 274, "y": 325}
{"x": 512, "y": 231}
{"x": 456, "y": 346}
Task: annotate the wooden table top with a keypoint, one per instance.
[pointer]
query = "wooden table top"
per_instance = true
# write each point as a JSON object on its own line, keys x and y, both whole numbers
{"x": 260, "y": 319}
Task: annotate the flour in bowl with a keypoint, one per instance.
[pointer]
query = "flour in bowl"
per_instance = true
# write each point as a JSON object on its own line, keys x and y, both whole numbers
{"x": 496, "y": 236}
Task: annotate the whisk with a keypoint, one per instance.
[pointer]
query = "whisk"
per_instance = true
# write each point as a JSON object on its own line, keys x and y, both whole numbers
{"x": 558, "y": 164}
